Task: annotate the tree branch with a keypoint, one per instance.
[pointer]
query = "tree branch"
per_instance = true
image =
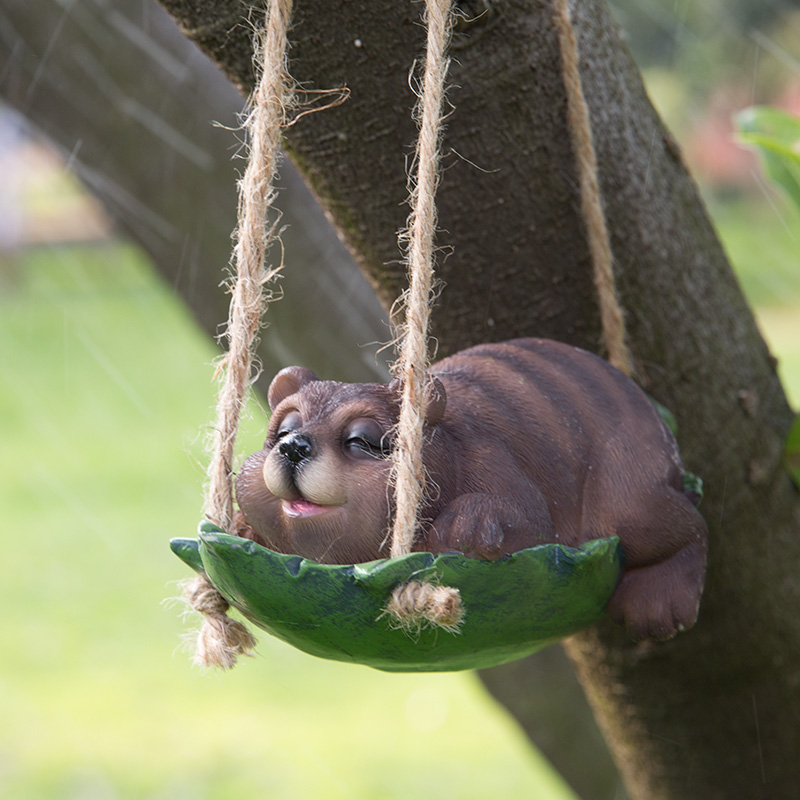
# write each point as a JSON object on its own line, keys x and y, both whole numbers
{"x": 174, "y": 195}
{"x": 146, "y": 122}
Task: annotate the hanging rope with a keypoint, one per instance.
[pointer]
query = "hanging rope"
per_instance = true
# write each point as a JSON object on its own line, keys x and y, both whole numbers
{"x": 254, "y": 236}
{"x": 611, "y": 316}
{"x": 416, "y": 604}
{"x": 221, "y": 639}
{"x": 413, "y": 361}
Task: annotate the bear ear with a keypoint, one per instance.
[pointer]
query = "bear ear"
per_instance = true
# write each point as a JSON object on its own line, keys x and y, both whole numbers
{"x": 435, "y": 395}
{"x": 287, "y": 382}
{"x": 437, "y": 401}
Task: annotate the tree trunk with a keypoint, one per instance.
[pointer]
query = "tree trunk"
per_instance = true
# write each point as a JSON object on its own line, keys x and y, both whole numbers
{"x": 713, "y": 713}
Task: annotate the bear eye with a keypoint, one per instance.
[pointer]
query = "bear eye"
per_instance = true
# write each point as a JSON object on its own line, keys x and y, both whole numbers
{"x": 291, "y": 422}
{"x": 364, "y": 438}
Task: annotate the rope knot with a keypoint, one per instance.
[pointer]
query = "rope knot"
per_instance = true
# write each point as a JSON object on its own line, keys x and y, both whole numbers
{"x": 415, "y": 606}
{"x": 221, "y": 640}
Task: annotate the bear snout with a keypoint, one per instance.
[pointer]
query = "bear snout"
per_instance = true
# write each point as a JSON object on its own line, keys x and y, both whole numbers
{"x": 296, "y": 448}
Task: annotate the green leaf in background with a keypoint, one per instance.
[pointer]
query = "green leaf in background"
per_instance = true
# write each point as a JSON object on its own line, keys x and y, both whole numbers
{"x": 775, "y": 135}
{"x": 793, "y": 451}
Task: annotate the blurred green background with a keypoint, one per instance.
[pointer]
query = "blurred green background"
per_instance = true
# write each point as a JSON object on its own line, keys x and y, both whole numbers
{"x": 104, "y": 408}
{"x": 105, "y": 405}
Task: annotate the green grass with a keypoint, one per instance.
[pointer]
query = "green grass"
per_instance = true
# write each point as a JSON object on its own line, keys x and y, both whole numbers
{"x": 104, "y": 405}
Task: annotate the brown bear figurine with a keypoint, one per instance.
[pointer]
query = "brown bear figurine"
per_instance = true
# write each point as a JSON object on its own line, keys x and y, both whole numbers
{"x": 527, "y": 442}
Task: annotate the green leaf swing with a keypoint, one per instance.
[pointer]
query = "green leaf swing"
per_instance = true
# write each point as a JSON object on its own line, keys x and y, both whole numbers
{"x": 412, "y": 611}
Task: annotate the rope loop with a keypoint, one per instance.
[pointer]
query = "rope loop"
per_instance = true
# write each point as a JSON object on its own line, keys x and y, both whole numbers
{"x": 221, "y": 640}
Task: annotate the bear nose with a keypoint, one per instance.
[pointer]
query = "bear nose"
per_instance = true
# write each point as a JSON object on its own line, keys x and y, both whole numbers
{"x": 296, "y": 447}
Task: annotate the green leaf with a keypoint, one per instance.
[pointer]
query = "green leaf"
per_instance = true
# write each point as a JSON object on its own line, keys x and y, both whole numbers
{"x": 792, "y": 452}
{"x": 775, "y": 135}
{"x": 666, "y": 415}
{"x": 693, "y": 486}
{"x": 513, "y": 606}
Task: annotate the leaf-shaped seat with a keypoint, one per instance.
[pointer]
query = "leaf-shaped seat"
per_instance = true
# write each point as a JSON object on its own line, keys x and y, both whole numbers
{"x": 513, "y": 606}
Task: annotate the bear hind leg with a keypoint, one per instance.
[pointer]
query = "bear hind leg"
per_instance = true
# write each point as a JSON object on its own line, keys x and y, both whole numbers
{"x": 662, "y": 582}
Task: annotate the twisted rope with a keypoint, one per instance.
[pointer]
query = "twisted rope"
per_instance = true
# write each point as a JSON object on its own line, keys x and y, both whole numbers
{"x": 268, "y": 109}
{"x": 221, "y": 639}
{"x": 611, "y": 316}
{"x": 413, "y": 361}
{"x": 417, "y": 604}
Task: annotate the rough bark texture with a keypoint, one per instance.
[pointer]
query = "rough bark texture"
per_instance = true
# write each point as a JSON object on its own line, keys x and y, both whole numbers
{"x": 712, "y": 714}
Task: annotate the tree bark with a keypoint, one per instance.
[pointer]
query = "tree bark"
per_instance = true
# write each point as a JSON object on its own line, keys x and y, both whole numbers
{"x": 713, "y": 713}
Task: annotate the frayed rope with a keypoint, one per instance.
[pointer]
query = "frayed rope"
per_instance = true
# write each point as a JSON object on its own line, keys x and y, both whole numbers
{"x": 612, "y": 318}
{"x": 415, "y": 606}
{"x": 221, "y": 640}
